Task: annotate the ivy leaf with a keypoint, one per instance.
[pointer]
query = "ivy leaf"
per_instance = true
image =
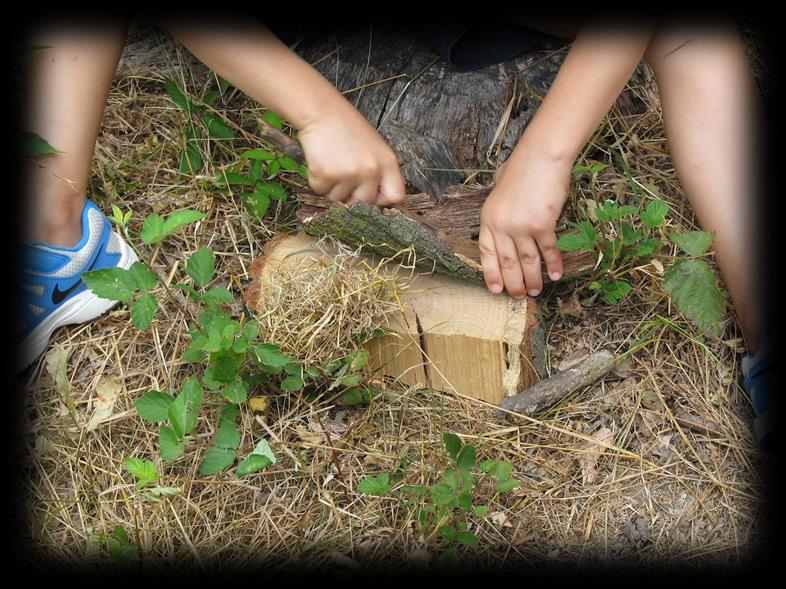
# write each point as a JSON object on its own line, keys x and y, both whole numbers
{"x": 201, "y": 265}
{"x": 116, "y": 284}
{"x": 143, "y": 310}
{"x": 217, "y": 128}
{"x": 216, "y": 460}
{"x": 171, "y": 446}
{"x": 655, "y": 213}
{"x": 32, "y": 145}
{"x": 375, "y": 485}
{"x": 693, "y": 287}
{"x": 693, "y": 243}
{"x": 154, "y": 406}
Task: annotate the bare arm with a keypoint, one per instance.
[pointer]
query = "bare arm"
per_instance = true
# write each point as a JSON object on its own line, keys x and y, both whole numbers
{"x": 519, "y": 217}
{"x": 347, "y": 158}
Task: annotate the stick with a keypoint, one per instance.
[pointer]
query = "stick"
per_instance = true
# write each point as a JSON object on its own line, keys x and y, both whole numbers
{"x": 549, "y": 391}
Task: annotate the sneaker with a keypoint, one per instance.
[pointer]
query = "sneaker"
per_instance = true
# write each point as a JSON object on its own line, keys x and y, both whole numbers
{"x": 51, "y": 292}
{"x": 758, "y": 372}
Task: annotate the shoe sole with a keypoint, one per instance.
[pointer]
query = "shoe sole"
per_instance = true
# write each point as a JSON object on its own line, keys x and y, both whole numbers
{"x": 80, "y": 308}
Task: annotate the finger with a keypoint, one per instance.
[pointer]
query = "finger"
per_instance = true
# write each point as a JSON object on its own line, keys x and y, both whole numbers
{"x": 498, "y": 174}
{"x": 510, "y": 266}
{"x": 551, "y": 255}
{"x": 319, "y": 184}
{"x": 391, "y": 187}
{"x": 366, "y": 192}
{"x": 340, "y": 192}
{"x": 529, "y": 260}
{"x": 488, "y": 260}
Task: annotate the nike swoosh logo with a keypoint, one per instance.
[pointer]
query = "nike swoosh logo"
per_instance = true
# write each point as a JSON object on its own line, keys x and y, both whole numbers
{"x": 58, "y": 296}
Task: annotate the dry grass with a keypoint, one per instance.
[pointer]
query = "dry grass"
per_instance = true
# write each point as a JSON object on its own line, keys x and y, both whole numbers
{"x": 697, "y": 491}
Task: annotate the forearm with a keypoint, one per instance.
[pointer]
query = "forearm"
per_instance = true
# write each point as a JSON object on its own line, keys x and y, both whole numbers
{"x": 599, "y": 64}
{"x": 254, "y": 60}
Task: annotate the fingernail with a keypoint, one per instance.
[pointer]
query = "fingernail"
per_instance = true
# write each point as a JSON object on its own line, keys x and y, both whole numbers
{"x": 555, "y": 276}
{"x": 534, "y": 292}
{"x": 496, "y": 288}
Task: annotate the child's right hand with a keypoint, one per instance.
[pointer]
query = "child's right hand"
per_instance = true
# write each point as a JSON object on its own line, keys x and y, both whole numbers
{"x": 348, "y": 161}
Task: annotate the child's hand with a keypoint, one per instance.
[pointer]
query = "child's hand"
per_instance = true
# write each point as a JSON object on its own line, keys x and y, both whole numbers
{"x": 517, "y": 225}
{"x": 348, "y": 161}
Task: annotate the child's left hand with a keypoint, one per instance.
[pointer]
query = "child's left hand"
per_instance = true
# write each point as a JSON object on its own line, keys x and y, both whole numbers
{"x": 518, "y": 222}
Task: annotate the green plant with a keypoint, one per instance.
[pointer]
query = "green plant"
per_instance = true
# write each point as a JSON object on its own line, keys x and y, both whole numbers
{"x": 626, "y": 236}
{"x": 447, "y": 505}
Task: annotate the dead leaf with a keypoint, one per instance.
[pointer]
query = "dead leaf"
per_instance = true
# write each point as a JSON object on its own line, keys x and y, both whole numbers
{"x": 57, "y": 368}
{"x": 420, "y": 558}
{"x": 333, "y": 427}
{"x": 258, "y": 404}
{"x": 572, "y": 308}
{"x": 591, "y": 452}
{"x": 636, "y": 530}
{"x": 662, "y": 451}
{"x": 501, "y": 519}
{"x": 624, "y": 369}
{"x": 658, "y": 266}
{"x": 107, "y": 392}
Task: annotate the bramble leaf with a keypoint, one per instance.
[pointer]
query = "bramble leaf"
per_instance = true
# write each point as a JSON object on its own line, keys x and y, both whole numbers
{"x": 693, "y": 287}
{"x": 693, "y": 243}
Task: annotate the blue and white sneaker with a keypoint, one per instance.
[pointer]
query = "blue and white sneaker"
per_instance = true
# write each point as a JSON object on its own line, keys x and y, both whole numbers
{"x": 758, "y": 372}
{"x": 51, "y": 292}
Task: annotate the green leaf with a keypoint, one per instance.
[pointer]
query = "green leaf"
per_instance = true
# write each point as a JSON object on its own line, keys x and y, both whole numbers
{"x": 583, "y": 239}
{"x": 251, "y": 464}
{"x": 501, "y": 471}
{"x": 447, "y": 532}
{"x": 465, "y": 500}
{"x": 375, "y": 485}
{"x": 154, "y": 406}
{"x": 235, "y": 178}
{"x": 184, "y": 411}
{"x": 647, "y": 247}
{"x": 487, "y": 465}
{"x": 210, "y": 97}
{"x": 190, "y": 160}
{"x": 273, "y": 119}
{"x": 359, "y": 359}
{"x": 218, "y": 295}
{"x": 236, "y": 392}
{"x": 263, "y": 449}
{"x": 442, "y": 494}
{"x": 467, "y": 456}
{"x": 257, "y": 154}
{"x": 481, "y": 510}
{"x": 217, "y": 128}
{"x": 613, "y": 291}
{"x": 180, "y": 219}
{"x": 655, "y": 213}
{"x": 693, "y": 287}
{"x": 153, "y": 229}
{"x": 216, "y": 460}
{"x": 448, "y": 560}
{"x": 200, "y": 266}
{"x": 507, "y": 485}
{"x": 143, "y": 277}
{"x": 116, "y": 284}
{"x": 179, "y": 98}
{"x": 611, "y": 211}
{"x": 251, "y": 329}
{"x": 287, "y": 163}
{"x": 693, "y": 243}
{"x": 452, "y": 444}
{"x": 227, "y": 436}
{"x": 414, "y": 489}
{"x": 293, "y": 382}
{"x": 171, "y": 446}
{"x": 144, "y": 471}
{"x": 270, "y": 355}
{"x": 450, "y": 478}
{"x": 467, "y": 538}
{"x": 143, "y": 310}
{"x": 630, "y": 235}
{"x": 257, "y": 204}
{"x": 32, "y": 145}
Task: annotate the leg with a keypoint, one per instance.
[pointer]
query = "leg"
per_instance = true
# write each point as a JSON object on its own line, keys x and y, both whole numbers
{"x": 67, "y": 84}
{"x": 710, "y": 112}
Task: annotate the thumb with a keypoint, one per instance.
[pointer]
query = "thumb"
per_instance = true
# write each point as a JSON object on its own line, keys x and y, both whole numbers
{"x": 391, "y": 188}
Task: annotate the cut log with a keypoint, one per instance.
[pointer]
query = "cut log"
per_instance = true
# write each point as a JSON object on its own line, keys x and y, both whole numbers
{"x": 450, "y": 335}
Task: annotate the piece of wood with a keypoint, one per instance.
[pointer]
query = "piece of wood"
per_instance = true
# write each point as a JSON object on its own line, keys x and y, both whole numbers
{"x": 449, "y": 336}
{"x": 550, "y": 391}
{"x": 443, "y": 235}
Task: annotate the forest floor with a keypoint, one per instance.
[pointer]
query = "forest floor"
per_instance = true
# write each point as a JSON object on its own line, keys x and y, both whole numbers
{"x": 662, "y": 493}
